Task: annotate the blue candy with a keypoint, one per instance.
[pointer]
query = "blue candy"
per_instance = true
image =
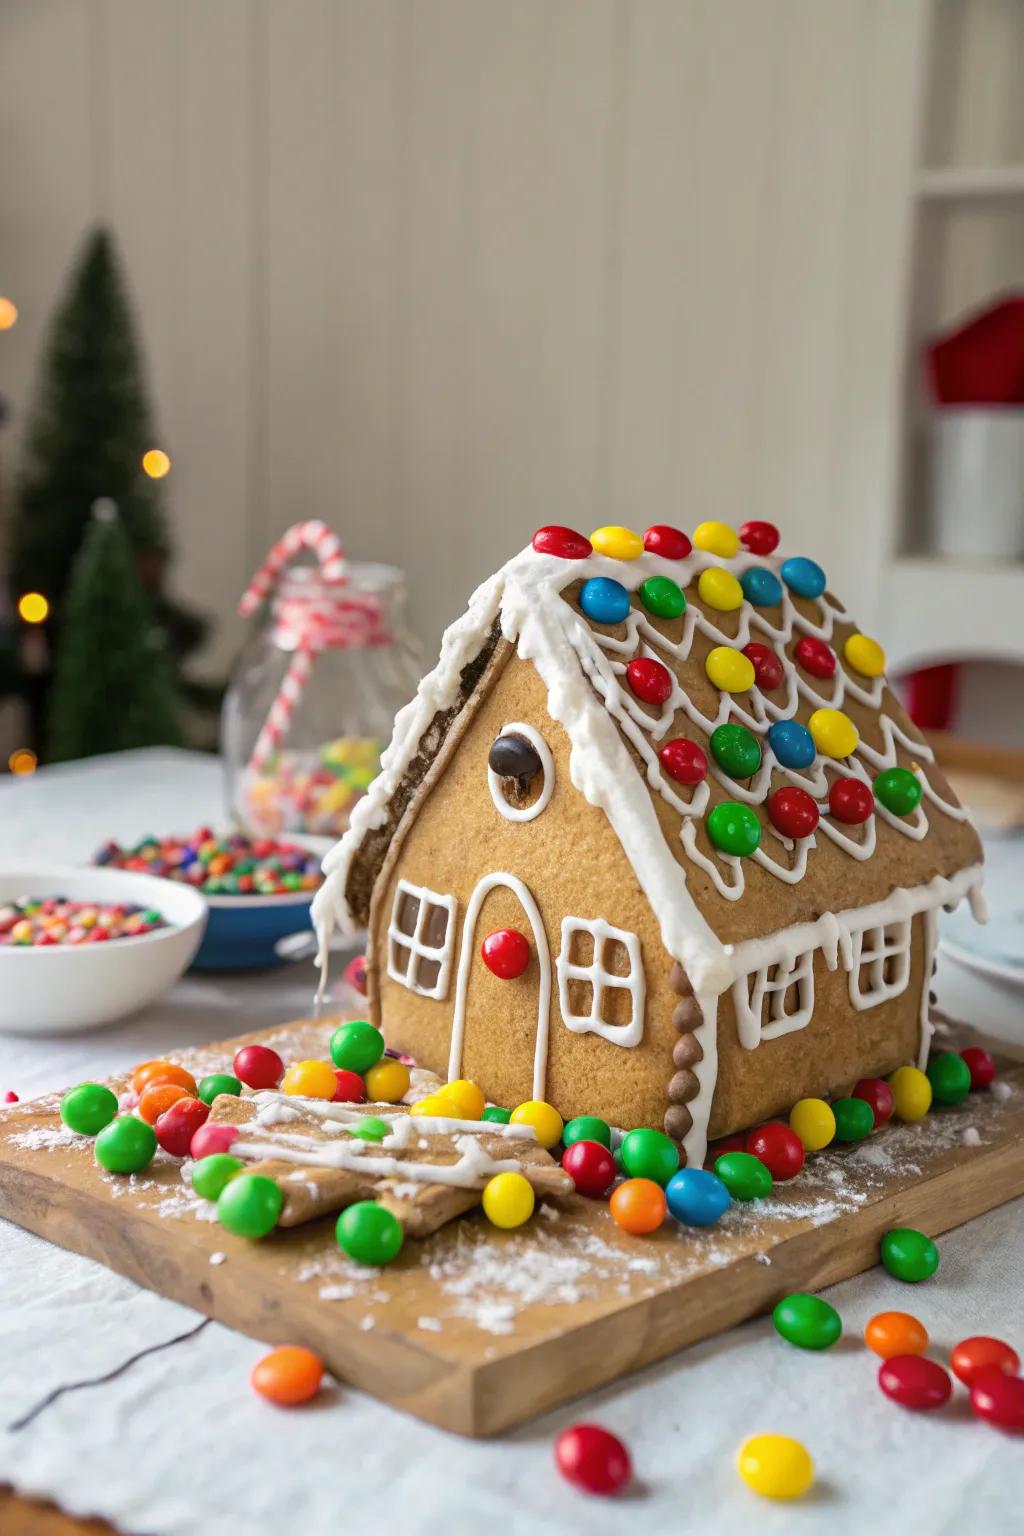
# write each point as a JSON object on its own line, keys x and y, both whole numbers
{"x": 792, "y": 743}
{"x": 697, "y": 1197}
{"x": 803, "y": 576}
{"x": 761, "y": 587}
{"x": 604, "y": 600}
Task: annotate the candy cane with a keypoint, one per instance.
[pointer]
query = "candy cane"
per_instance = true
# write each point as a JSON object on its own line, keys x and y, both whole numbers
{"x": 315, "y": 536}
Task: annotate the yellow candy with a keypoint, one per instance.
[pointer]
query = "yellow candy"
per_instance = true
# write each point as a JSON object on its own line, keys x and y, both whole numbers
{"x": 717, "y": 539}
{"x": 834, "y": 733}
{"x": 386, "y": 1081}
{"x": 912, "y": 1093}
{"x": 814, "y": 1122}
{"x": 465, "y": 1099}
{"x": 431, "y": 1106}
{"x": 310, "y": 1079}
{"x": 864, "y": 655}
{"x": 729, "y": 669}
{"x": 545, "y": 1119}
{"x": 719, "y": 589}
{"x": 775, "y": 1466}
{"x": 617, "y": 543}
{"x": 508, "y": 1199}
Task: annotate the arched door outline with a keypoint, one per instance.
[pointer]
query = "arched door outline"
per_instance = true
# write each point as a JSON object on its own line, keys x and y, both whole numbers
{"x": 482, "y": 888}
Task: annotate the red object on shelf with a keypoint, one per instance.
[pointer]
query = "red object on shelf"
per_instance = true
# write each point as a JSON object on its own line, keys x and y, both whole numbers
{"x": 932, "y": 696}
{"x": 982, "y": 361}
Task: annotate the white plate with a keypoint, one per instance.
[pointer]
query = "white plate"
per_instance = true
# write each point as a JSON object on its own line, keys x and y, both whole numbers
{"x": 995, "y": 948}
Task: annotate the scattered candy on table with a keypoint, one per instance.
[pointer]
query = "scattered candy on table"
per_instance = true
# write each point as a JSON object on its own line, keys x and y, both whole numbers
{"x": 310, "y": 1080}
{"x": 980, "y": 1353}
{"x": 249, "y": 1205}
{"x": 999, "y": 1399}
{"x": 876, "y": 1092}
{"x": 178, "y": 1124}
{"x": 88, "y": 1108}
{"x": 639, "y": 1206}
{"x": 697, "y": 1197}
{"x": 744, "y": 1176}
{"x": 591, "y": 1167}
{"x": 211, "y": 1174}
{"x": 508, "y": 1200}
{"x": 288, "y": 1375}
{"x": 368, "y": 1233}
{"x": 779, "y": 1148}
{"x": 258, "y": 1066}
{"x": 807, "y": 1321}
{"x": 158, "y": 1097}
{"x": 896, "y": 1333}
{"x": 981, "y": 1067}
{"x": 126, "y": 1145}
{"x": 232, "y": 865}
{"x": 814, "y": 1122}
{"x": 10, "y": 1097}
{"x": 217, "y": 1083}
{"x": 161, "y": 1071}
{"x": 587, "y": 1128}
{"x": 544, "y": 1118}
{"x": 465, "y": 1100}
{"x": 387, "y": 1081}
{"x": 855, "y": 1119}
{"x": 210, "y": 1139}
{"x": 914, "y": 1381}
{"x": 950, "y": 1077}
{"x": 356, "y": 1046}
{"x": 909, "y": 1255}
{"x": 34, "y": 922}
{"x": 592, "y": 1459}
{"x": 649, "y": 1154}
{"x": 775, "y": 1466}
{"x": 912, "y": 1093}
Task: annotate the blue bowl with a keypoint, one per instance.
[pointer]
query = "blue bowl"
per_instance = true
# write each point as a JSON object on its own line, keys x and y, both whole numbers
{"x": 242, "y": 931}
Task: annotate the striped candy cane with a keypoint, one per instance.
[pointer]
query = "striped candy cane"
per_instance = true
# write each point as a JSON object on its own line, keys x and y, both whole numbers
{"x": 315, "y": 536}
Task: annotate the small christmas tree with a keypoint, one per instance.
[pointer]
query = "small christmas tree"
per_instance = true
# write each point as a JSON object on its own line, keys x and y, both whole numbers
{"x": 113, "y": 685}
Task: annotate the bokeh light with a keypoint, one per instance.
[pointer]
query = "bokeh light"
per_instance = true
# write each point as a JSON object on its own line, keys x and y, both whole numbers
{"x": 156, "y": 463}
{"x": 33, "y": 607}
{"x": 23, "y": 762}
{"x": 8, "y": 314}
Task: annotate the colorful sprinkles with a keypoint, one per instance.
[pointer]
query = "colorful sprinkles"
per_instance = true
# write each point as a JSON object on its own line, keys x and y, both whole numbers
{"x": 230, "y": 865}
{"x": 35, "y": 922}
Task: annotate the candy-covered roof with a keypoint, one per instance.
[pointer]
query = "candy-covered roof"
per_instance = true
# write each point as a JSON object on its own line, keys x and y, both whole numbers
{"x": 728, "y": 717}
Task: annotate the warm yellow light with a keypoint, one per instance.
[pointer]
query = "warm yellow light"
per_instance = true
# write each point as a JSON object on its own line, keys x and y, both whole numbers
{"x": 156, "y": 463}
{"x": 23, "y": 761}
{"x": 8, "y": 314}
{"x": 33, "y": 607}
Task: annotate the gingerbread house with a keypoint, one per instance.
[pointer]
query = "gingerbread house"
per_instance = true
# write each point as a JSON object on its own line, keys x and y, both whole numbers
{"x": 655, "y": 840}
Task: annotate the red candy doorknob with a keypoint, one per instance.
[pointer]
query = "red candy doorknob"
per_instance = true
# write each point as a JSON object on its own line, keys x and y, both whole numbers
{"x": 506, "y": 953}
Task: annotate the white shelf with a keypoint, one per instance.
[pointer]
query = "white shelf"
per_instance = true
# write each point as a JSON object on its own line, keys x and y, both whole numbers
{"x": 937, "y": 609}
{"x": 959, "y": 183}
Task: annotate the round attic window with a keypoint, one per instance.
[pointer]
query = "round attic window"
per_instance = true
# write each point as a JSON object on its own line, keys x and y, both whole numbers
{"x": 520, "y": 772}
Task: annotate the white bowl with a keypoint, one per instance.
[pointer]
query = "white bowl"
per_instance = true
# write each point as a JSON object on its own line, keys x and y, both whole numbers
{"x": 60, "y": 989}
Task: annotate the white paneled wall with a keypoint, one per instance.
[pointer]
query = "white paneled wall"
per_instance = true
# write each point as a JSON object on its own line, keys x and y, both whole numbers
{"x": 441, "y": 271}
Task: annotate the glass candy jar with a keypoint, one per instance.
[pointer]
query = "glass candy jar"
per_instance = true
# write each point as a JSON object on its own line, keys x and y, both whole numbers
{"x": 313, "y": 697}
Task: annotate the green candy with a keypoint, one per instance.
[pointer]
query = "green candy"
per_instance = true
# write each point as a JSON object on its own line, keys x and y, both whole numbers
{"x": 369, "y": 1234}
{"x": 734, "y": 828}
{"x": 587, "y": 1128}
{"x": 807, "y": 1321}
{"x": 899, "y": 790}
{"x": 649, "y": 1155}
{"x": 737, "y": 751}
{"x": 744, "y": 1176}
{"x": 88, "y": 1108}
{"x": 909, "y": 1255}
{"x": 249, "y": 1205}
{"x": 855, "y": 1118}
{"x": 373, "y": 1128}
{"x": 663, "y": 597}
{"x": 211, "y": 1175}
{"x": 950, "y": 1077}
{"x": 357, "y": 1046}
{"x": 496, "y": 1115}
{"x": 218, "y": 1082}
{"x": 126, "y": 1145}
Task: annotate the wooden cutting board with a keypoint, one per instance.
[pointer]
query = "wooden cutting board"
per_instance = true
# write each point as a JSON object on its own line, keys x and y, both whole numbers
{"x": 476, "y": 1329}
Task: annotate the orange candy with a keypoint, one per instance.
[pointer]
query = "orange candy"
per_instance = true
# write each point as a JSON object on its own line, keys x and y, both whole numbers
{"x": 977, "y": 1353}
{"x": 161, "y": 1072}
{"x": 158, "y": 1097}
{"x": 638, "y": 1206}
{"x": 288, "y": 1375}
{"x": 896, "y": 1333}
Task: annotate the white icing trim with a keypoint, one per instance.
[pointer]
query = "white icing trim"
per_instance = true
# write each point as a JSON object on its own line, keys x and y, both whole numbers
{"x": 882, "y": 946}
{"x": 547, "y": 765}
{"x": 931, "y": 940}
{"x": 599, "y": 979}
{"x": 413, "y": 943}
{"x": 750, "y": 993}
{"x": 540, "y": 1054}
{"x": 695, "y": 1142}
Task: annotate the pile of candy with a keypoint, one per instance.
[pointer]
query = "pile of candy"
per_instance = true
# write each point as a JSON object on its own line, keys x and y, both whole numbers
{"x": 32, "y": 922}
{"x": 310, "y": 791}
{"x": 232, "y": 865}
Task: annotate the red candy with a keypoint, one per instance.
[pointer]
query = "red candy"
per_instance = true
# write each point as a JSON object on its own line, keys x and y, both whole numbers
{"x": 815, "y": 656}
{"x": 650, "y": 680}
{"x": 176, "y": 1127}
{"x": 737, "y": 1142}
{"x": 669, "y": 542}
{"x": 851, "y": 801}
{"x": 351, "y": 1088}
{"x": 793, "y": 812}
{"x": 10, "y": 1097}
{"x": 914, "y": 1382}
{"x": 684, "y": 761}
{"x": 590, "y": 1166}
{"x": 779, "y": 1148}
{"x": 257, "y": 1066}
{"x": 982, "y": 1067}
{"x": 999, "y": 1399}
{"x": 768, "y": 672}
{"x": 564, "y": 542}
{"x": 212, "y": 1138}
{"x": 876, "y": 1092}
{"x": 971, "y": 1357}
{"x": 590, "y": 1458}
{"x": 759, "y": 538}
{"x": 354, "y": 975}
{"x": 506, "y": 953}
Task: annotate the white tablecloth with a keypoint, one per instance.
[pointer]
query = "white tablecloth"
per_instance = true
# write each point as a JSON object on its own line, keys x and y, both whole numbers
{"x": 179, "y": 1442}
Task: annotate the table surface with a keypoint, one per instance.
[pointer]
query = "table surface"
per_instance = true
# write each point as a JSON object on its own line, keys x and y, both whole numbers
{"x": 179, "y": 1437}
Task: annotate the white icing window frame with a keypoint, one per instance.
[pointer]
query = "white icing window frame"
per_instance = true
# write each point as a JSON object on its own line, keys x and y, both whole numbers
{"x": 754, "y": 991}
{"x": 600, "y": 980}
{"x": 547, "y": 768}
{"x": 412, "y": 944}
{"x": 872, "y": 948}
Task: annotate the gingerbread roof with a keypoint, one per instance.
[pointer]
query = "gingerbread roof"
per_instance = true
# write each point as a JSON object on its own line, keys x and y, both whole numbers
{"x": 694, "y": 688}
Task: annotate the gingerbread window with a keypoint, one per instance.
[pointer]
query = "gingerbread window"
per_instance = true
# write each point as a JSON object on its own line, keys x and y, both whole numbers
{"x": 601, "y": 981}
{"x": 879, "y": 964}
{"x": 421, "y": 938}
{"x": 776, "y": 999}
{"x": 520, "y": 772}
